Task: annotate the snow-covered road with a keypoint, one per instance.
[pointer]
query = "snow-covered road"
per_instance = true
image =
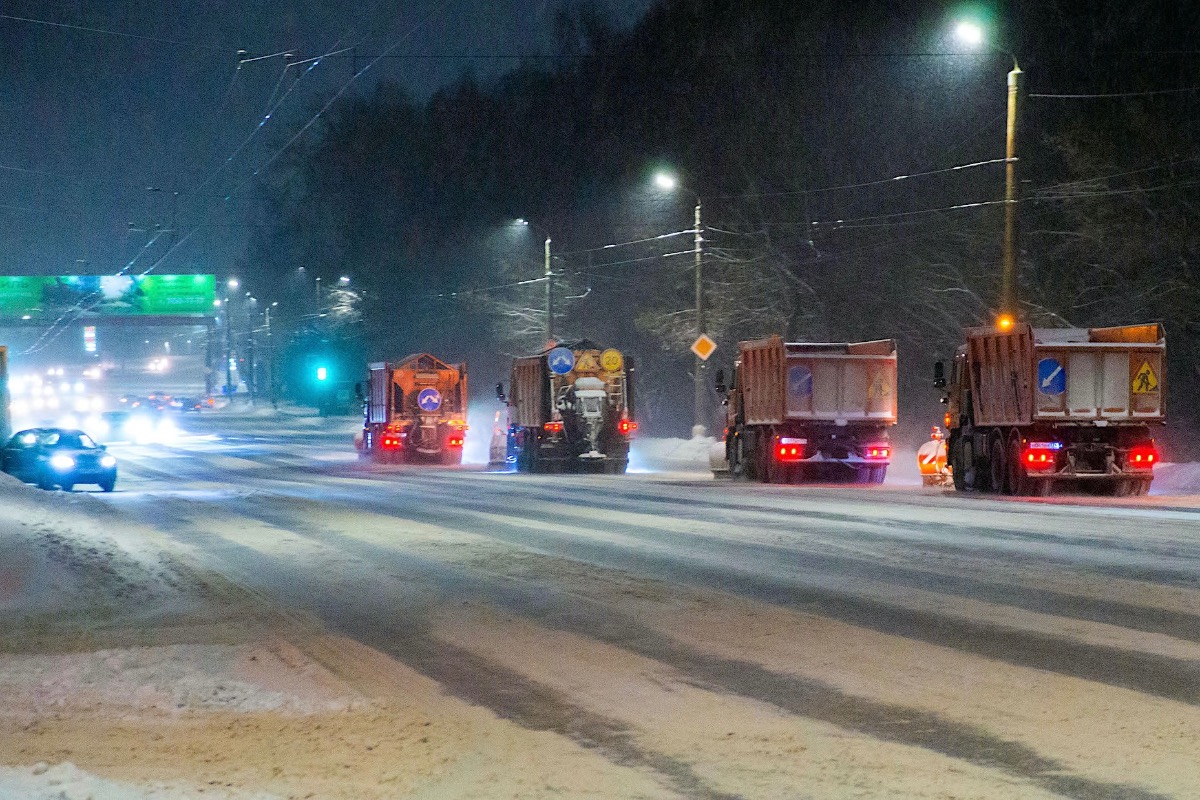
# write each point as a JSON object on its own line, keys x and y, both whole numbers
{"x": 257, "y": 613}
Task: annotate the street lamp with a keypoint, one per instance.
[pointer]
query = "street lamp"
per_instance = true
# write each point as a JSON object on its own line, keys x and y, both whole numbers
{"x": 700, "y": 412}
{"x": 972, "y": 34}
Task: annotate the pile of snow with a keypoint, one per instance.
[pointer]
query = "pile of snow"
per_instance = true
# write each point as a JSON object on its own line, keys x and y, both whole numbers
{"x": 671, "y": 455}
{"x": 1176, "y": 479}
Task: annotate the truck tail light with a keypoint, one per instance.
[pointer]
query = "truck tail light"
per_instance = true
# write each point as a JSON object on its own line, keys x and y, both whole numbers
{"x": 877, "y": 452}
{"x": 789, "y": 452}
{"x": 455, "y": 441}
{"x": 554, "y": 426}
{"x": 1144, "y": 456}
{"x": 788, "y": 448}
{"x": 392, "y": 441}
{"x": 1040, "y": 456}
{"x": 627, "y": 426}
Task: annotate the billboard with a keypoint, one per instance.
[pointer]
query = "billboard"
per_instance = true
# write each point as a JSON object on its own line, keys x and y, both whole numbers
{"x": 48, "y": 298}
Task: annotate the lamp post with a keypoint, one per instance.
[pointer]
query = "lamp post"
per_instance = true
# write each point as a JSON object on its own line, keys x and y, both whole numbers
{"x": 232, "y": 283}
{"x": 973, "y": 35}
{"x": 1008, "y": 277}
{"x": 272, "y": 395}
{"x": 700, "y": 410}
{"x": 251, "y": 358}
{"x": 548, "y": 278}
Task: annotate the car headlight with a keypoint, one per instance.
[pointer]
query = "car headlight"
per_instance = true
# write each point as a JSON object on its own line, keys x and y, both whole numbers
{"x": 62, "y": 463}
{"x": 108, "y": 462}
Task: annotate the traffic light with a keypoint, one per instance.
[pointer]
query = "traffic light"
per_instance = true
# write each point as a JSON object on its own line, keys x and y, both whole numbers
{"x": 322, "y": 373}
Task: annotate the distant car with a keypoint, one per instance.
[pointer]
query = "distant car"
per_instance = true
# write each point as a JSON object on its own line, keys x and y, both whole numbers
{"x": 62, "y": 457}
{"x": 187, "y": 405}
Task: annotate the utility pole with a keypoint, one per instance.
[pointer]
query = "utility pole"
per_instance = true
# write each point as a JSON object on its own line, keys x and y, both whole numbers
{"x": 700, "y": 416}
{"x": 1008, "y": 277}
{"x": 549, "y": 275}
{"x": 228, "y": 351}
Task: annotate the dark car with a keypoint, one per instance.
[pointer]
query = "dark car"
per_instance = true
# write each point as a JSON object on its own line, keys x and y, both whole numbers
{"x": 62, "y": 457}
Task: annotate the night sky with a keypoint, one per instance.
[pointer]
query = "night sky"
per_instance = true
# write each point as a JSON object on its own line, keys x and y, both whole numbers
{"x": 110, "y": 108}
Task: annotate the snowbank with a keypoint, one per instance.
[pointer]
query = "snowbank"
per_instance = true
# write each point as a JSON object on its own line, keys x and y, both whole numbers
{"x": 670, "y": 455}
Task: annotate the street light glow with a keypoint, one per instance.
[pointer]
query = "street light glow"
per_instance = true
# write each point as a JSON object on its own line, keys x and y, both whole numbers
{"x": 665, "y": 181}
{"x": 232, "y": 283}
{"x": 969, "y": 33}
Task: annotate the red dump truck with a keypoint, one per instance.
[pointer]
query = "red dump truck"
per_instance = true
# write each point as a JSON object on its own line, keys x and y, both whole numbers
{"x": 570, "y": 410}
{"x": 415, "y": 410}
{"x": 801, "y": 411}
{"x": 1030, "y": 407}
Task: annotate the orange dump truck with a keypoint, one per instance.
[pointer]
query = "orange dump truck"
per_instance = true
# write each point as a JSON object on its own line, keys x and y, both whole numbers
{"x": 1030, "y": 407}
{"x": 804, "y": 410}
{"x": 415, "y": 410}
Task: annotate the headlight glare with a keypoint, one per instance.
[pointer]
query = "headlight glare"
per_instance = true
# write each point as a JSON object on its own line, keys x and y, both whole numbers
{"x": 62, "y": 463}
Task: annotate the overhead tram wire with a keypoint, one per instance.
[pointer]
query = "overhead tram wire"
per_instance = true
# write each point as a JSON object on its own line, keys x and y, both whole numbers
{"x": 349, "y": 82}
{"x": 46, "y": 338}
{"x": 313, "y": 63}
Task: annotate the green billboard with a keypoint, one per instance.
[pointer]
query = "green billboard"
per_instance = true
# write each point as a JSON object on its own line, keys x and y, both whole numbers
{"x": 42, "y": 298}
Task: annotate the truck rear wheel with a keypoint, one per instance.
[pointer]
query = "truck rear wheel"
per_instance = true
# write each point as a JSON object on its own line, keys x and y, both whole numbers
{"x": 998, "y": 464}
{"x": 958, "y": 469}
{"x": 1019, "y": 483}
{"x": 748, "y": 457}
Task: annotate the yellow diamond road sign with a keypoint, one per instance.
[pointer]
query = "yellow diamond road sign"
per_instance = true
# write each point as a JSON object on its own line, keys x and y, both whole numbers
{"x": 703, "y": 346}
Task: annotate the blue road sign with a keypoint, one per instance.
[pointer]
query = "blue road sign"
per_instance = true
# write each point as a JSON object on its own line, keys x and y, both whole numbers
{"x": 1052, "y": 378}
{"x": 560, "y": 360}
{"x": 429, "y": 399}
{"x": 800, "y": 384}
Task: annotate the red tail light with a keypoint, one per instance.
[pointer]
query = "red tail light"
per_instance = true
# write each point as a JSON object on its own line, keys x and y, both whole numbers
{"x": 554, "y": 426}
{"x": 627, "y": 426}
{"x": 788, "y": 448}
{"x": 1143, "y": 456}
{"x": 392, "y": 442}
{"x": 1038, "y": 459}
{"x": 789, "y": 452}
{"x": 455, "y": 441}
{"x": 876, "y": 452}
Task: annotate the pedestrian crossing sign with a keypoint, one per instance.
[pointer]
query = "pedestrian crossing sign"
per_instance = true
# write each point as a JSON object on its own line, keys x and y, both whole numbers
{"x": 1145, "y": 382}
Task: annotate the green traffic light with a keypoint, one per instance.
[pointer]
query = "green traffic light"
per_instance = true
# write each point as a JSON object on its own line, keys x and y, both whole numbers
{"x": 322, "y": 373}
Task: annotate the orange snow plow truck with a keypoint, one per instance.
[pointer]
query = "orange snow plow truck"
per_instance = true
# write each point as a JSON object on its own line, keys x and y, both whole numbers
{"x": 1031, "y": 407}
{"x": 415, "y": 410}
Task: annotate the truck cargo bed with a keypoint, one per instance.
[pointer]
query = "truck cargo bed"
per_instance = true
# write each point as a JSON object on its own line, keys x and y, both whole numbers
{"x": 1067, "y": 375}
{"x": 842, "y": 383}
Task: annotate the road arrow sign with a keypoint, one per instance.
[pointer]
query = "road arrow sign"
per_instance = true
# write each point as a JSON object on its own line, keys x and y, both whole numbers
{"x": 429, "y": 399}
{"x": 1052, "y": 378}
{"x": 560, "y": 360}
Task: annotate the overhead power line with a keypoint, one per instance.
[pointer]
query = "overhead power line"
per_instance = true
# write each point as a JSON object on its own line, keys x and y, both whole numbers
{"x": 106, "y": 32}
{"x": 1149, "y": 93}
